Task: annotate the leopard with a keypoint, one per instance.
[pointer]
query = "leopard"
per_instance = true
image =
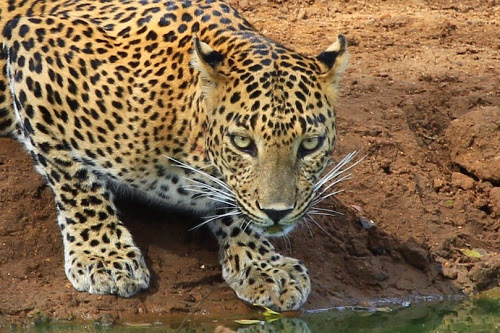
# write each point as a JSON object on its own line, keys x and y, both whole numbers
{"x": 186, "y": 104}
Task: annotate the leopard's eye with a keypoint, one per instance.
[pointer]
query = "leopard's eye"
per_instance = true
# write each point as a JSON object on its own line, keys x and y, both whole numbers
{"x": 309, "y": 145}
{"x": 241, "y": 142}
{"x": 244, "y": 143}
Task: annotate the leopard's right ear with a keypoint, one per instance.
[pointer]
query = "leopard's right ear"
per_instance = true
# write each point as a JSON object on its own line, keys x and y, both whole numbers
{"x": 206, "y": 60}
{"x": 334, "y": 60}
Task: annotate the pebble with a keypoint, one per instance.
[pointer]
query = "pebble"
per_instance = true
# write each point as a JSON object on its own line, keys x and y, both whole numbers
{"x": 462, "y": 181}
{"x": 438, "y": 183}
{"x": 449, "y": 273}
{"x": 367, "y": 224}
{"x": 414, "y": 254}
{"x": 495, "y": 199}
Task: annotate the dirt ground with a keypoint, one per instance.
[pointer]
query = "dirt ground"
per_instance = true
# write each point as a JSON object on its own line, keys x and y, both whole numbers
{"x": 420, "y": 99}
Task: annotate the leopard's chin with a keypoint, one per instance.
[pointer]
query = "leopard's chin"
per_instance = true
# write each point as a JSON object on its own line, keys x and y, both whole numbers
{"x": 279, "y": 230}
{"x": 275, "y": 230}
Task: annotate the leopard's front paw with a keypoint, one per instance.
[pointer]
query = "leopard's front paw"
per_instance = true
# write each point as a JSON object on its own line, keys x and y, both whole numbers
{"x": 282, "y": 284}
{"x": 122, "y": 272}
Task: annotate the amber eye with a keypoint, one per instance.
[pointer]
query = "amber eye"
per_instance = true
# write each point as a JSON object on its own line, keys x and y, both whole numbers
{"x": 309, "y": 145}
{"x": 244, "y": 143}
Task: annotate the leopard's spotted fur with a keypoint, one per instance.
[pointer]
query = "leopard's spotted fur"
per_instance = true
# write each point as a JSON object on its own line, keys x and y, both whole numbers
{"x": 138, "y": 94}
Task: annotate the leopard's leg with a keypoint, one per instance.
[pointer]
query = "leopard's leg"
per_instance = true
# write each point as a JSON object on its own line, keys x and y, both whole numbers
{"x": 255, "y": 271}
{"x": 101, "y": 257}
{"x": 99, "y": 253}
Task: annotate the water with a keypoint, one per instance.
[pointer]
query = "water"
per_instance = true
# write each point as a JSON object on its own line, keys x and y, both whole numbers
{"x": 481, "y": 314}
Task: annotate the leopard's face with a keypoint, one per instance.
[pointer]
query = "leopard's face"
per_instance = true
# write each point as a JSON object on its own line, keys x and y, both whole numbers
{"x": 271, "y": 133}
{"x": 273, "y": 162}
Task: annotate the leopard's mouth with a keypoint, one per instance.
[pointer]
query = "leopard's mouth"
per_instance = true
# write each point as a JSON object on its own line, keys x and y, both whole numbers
{"x": 266, "y": 228}
{"x": 278, "y": 230}
{"x": 271, "y": 230}
{"x": 274, "y": 229}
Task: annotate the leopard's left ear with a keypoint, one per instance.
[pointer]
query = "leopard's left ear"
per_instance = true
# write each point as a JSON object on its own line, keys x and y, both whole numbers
{"x": 206, "y": 60}
{"x": 334, "y": 59}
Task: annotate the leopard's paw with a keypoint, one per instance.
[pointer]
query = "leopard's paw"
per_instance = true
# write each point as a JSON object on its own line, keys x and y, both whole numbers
{"x": 122, "y": 272}
{"x": 281, "y": 285}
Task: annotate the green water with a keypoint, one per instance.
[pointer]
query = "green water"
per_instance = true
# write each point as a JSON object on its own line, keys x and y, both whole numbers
{"x": 472, "y": 316}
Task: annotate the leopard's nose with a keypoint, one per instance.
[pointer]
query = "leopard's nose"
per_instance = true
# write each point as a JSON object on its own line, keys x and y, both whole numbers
{"x": 277, "y": 215}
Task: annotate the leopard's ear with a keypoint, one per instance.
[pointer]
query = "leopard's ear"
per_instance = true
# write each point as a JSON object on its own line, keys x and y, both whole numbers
{"x": 334, "y": 59}
{"x": 206, "y": 60}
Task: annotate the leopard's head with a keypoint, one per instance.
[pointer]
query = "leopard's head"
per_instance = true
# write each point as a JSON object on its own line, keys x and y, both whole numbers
{"x": 271, "y": 126}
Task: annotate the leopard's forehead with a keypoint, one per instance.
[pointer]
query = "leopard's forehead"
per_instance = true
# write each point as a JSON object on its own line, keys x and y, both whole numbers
{"x": 257, "y": 55}
{"x": 275, "y": 92}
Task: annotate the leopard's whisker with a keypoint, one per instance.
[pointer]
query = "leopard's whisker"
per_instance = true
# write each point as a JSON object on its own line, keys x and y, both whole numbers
{"x": 201, "y": 182}
{"x": 204, "y": 187}
{"x": 313, "y": 212}
{"x": 226, "y": 207}
{"x": 333, "y": 183}
{"x": 327, "y": 210}
{"x": 319, "y": 225}
{"x": 224, "y": 190}
{"x": 337, "y": 170}
{"x": 288, "y": 243}
{"x": 207, "y": 175}
{"x": 215, "y": 198}
{"x": 210, "y": 192}
{"x": 211, "y": 197}
{"x": 305, "y": 221}
{"x": 223, "y": 194}
{"x": 332, "y": 178}
{"x": 323, "y": 198}
{"x": 230, "y": 213}
{"x": 215, "y": 217}
{"x": 246, "y": 224}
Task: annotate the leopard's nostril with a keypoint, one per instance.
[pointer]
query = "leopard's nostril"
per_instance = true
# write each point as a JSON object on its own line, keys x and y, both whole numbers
{"x": 276, "y": 215}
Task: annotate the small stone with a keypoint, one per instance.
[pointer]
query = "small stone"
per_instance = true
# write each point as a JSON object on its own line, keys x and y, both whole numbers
{"x": 438, "y": 183}
{"x": 106, "y": 320}
{"x": 414, "y": 254}
{"x": 359, "y": 248}
{"x": 495, "y": 199}
{"x": 367, "y": 224}
{"x": 449, "y": 272}
{"x": 244, "y": 4}
{"x": 379, "y": 250}
{"x": 302, "y": 14}
{"x": 462, "y": 181}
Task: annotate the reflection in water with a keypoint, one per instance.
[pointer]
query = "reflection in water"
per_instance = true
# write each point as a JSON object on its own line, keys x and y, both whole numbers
{"x": 282, "y": 325}
{"x": 479, "y": 314}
